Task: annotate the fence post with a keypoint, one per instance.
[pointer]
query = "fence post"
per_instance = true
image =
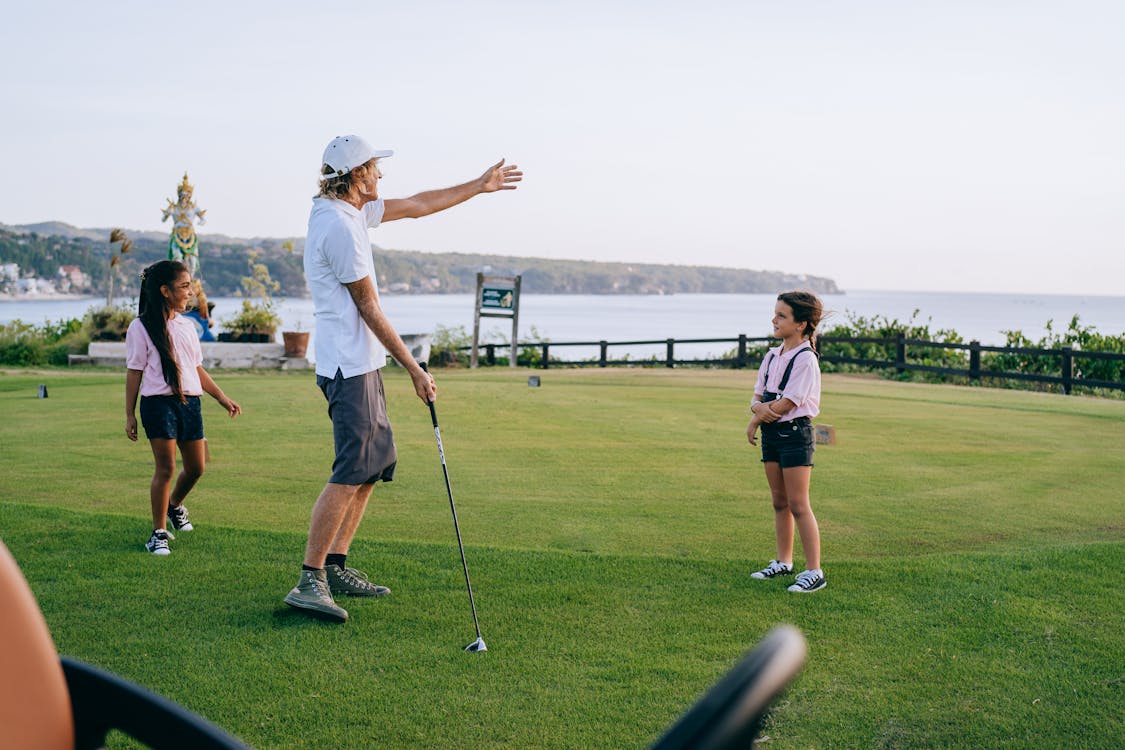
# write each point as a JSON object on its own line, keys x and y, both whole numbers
{"x": 900, "y": 353}
{"x": 1067, "y": 369}
{"x": 974, "y": 360}
{"x": 741, "y": 363}
{"x": 490, "y": 353}
{"x": 546, "y": 346}
{"x": 603, "y": 344}
{"x": 670, "y": 359}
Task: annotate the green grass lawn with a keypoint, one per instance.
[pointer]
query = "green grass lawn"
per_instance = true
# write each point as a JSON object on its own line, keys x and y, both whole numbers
{"x": 972, "y": 541}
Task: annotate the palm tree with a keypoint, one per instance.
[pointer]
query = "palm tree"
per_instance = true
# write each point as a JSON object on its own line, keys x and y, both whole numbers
{"x": 115, "y": 236}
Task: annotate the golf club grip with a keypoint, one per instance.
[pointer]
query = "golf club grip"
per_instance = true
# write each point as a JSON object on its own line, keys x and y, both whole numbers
{"x": 433, "y": 414}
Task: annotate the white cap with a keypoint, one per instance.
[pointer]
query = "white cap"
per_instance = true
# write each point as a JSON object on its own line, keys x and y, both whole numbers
{"x": 346, "y": 152}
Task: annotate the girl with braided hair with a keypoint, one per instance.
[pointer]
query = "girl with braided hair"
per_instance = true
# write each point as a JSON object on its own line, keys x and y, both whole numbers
{"x": 165, "y": 368}
{"x": 786, "y": 398}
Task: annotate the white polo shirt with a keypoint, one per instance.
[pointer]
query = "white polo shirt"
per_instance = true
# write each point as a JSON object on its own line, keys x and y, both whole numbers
{"x": 338, "y": 252}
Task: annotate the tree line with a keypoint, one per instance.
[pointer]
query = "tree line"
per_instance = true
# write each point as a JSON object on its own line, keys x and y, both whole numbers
{"x": 223, "y": 264}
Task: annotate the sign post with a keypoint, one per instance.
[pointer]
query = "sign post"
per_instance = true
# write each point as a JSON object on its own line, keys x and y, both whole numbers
{"x": 497, "y": 297}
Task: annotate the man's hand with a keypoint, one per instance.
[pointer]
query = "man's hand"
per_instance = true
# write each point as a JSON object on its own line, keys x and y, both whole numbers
{"x": 131, "y": 427}
{"x": 499, "y": 177}
{"x": 424, "y": 384}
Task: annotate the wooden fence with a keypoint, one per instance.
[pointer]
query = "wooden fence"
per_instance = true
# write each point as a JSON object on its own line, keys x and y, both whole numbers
{"x": 1068, "y": 375}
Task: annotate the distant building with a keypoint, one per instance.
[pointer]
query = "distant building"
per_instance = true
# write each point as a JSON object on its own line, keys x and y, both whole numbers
{"x": 9, "y": 272}
{"x": 35, "y": 285}
{"x": 72, "y": 278}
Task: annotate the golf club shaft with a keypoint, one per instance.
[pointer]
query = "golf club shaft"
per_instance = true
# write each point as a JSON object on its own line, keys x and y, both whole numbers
{"x": 453, "y": 508}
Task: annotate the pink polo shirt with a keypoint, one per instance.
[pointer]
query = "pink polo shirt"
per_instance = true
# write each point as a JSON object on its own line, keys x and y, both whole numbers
{"x": 803, "y": 387}
{"x": 141, "y": 354}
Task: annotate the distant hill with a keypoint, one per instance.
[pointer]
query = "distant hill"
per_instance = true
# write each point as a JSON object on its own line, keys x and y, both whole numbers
{"x": 43, "y": 247}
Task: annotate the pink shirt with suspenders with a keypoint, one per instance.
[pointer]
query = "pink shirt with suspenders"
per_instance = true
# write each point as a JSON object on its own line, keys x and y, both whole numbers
{"x": 803, "y": 387}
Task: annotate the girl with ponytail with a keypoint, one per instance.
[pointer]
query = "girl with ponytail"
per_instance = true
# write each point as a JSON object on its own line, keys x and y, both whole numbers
{"x": 786, "y": 398}
{"x": 165, "y": 368}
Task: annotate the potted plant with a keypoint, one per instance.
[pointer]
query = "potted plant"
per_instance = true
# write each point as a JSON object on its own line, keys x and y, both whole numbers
{"x": 257, "y": 321}
{"x": 296, "y": 342}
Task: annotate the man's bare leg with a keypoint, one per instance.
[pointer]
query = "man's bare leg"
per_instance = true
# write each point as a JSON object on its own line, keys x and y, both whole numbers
{"x": 343, "y": 539}
{"x": 328, "y": 516}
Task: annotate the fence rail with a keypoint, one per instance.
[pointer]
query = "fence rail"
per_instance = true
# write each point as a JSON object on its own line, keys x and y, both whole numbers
{"x": 1068, "y": 375}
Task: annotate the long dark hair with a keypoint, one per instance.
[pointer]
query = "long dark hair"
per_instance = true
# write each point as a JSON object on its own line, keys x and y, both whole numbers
{"x": 152, "y": 309}
{"x": 807, "y": 308}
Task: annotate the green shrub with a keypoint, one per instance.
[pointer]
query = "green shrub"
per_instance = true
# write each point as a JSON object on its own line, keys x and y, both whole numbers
{"x": 446, "y": 344}
{"x": 254, "y": 317}
{"x": 879, "y": 326}
{"x": 1078, "y": 337}
{"x": 107, "y": 323}
{"x": 26, "y": 345}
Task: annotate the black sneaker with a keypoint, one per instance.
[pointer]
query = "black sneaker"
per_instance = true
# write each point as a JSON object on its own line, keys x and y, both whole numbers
{"x": 177, "y": 516}
{"x": 157, "y": 544}
{"x": 809, "y": 581}
{"x": 773, "y": 570}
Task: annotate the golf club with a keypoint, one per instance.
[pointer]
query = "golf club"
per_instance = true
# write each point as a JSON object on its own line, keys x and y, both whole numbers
{"x": 478, "y": 644}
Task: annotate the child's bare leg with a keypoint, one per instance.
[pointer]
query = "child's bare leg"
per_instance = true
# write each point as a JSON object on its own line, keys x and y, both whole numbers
{"x": 164, "y": 456}
{"x": 782, "y": 517}
{"x": 194, "y": 458}
{"x": 797, "y": 489}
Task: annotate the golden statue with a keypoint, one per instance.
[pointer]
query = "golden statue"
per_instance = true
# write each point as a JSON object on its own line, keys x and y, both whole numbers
{"x": 184, "y": 245}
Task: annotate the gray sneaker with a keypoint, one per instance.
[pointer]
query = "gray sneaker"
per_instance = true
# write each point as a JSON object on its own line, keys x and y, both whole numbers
{"x": 352, "y": 582}
{"x": 311, "y": 594}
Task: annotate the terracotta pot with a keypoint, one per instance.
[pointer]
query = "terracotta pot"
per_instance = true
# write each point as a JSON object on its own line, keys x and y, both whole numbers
{"x": 296, "y": 343}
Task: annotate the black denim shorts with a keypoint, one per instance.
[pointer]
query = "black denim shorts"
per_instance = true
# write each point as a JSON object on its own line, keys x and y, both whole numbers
{"x": 168, "y": 418}
{"x": 788, "y": 443}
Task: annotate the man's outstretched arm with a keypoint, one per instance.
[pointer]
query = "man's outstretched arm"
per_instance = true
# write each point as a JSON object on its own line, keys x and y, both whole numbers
{"x": 496, "y": 177}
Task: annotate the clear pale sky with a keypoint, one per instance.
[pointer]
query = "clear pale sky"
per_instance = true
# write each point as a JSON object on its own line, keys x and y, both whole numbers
{"x": 949, "y": 145}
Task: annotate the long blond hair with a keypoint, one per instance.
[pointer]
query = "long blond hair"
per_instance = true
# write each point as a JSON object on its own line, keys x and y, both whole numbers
{"x": 342, "y": 186}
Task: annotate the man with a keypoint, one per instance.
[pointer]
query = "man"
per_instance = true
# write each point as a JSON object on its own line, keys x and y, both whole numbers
{"x": 353, "y": 338}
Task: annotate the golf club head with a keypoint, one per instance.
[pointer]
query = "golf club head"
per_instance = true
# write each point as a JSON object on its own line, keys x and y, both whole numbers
{"x": 477, "y": 645}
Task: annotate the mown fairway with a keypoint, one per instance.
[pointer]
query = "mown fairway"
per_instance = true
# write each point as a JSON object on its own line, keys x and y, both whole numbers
{"x": 973, "y": 539}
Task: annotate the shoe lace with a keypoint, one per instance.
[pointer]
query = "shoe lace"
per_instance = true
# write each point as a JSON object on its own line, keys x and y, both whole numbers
{"x": 159, "y": 541}
{"x": 355, "y": 577}
{"x": 806, "y": 579}
{"x": 319, "y": 586}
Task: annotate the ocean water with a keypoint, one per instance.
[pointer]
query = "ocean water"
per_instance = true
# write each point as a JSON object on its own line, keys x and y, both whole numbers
{"x": 561, "y": 318}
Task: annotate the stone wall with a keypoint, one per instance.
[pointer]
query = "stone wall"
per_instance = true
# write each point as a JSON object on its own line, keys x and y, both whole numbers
{"x": 215, "y": 356}
{"x": 236, "y": 356}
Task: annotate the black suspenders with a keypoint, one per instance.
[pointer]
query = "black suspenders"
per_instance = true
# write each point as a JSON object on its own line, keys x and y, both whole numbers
{"x": 770, "y": 395}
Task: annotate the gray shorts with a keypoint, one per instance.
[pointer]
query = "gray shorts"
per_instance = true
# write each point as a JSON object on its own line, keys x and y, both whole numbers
{"x": 365, "y": 446}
